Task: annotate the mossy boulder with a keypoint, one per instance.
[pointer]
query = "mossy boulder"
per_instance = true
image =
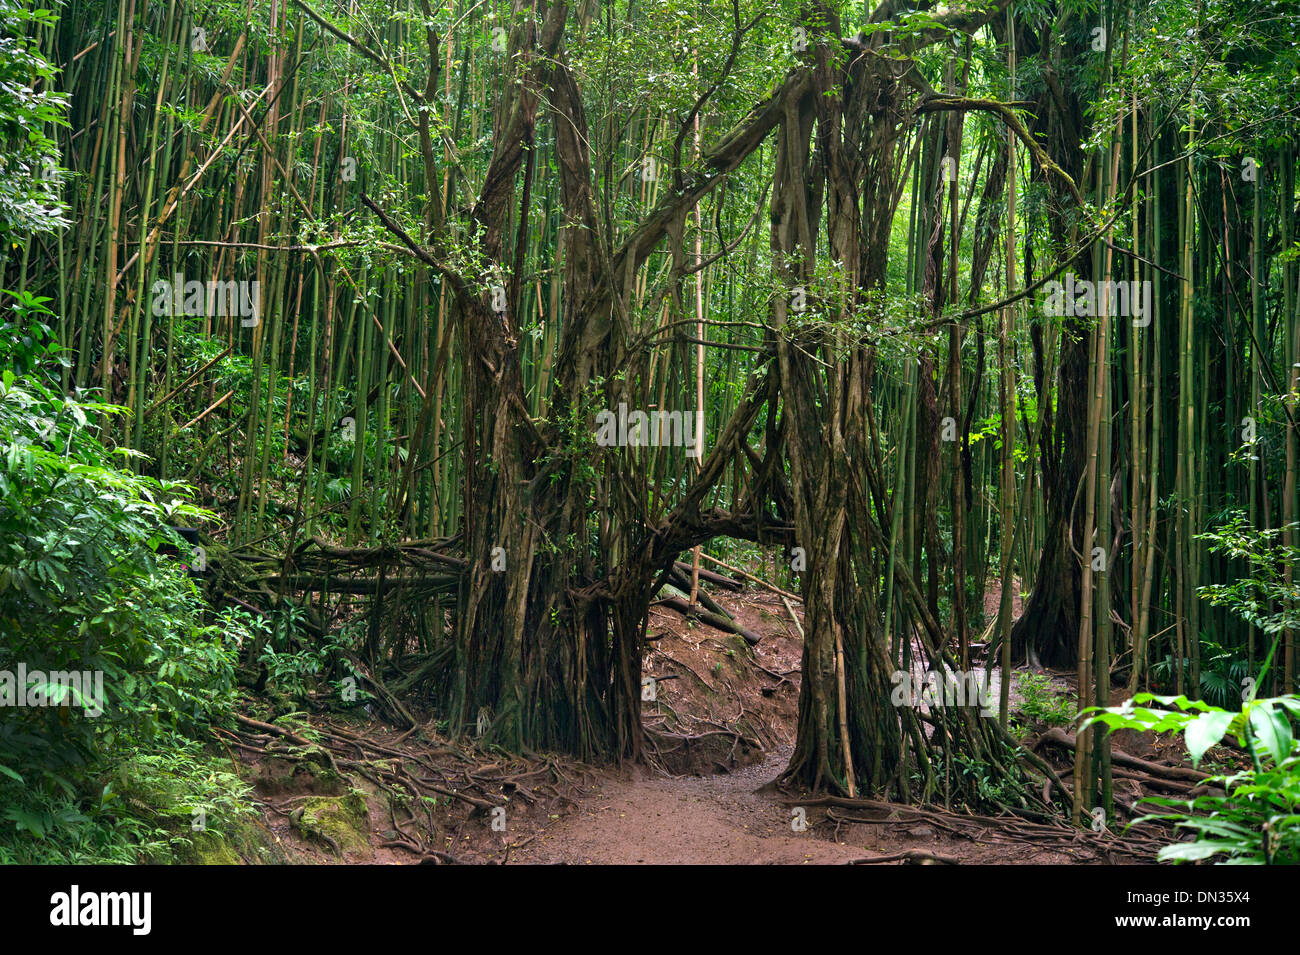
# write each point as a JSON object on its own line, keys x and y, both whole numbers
{"x": 340, "y": 822}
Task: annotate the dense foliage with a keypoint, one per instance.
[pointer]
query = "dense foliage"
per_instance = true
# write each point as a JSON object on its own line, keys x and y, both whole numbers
{"x": 346, "y": 286}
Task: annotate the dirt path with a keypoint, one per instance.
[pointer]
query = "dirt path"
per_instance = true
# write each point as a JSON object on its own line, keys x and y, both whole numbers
{"x": 717, "y": 702}
{"x": 718, "y": 819}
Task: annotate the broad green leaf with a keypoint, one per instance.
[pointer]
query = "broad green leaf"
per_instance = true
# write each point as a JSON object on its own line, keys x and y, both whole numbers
{"x": 1194, "y": 851}
{"x": 1205, "y": 731}
{"x": 1272, "y": 731}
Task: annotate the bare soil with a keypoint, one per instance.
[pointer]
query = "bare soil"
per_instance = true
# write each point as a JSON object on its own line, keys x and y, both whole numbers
{"x": 721, "y": 819}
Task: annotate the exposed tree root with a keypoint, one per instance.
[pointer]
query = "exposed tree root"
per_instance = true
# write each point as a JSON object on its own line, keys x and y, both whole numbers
{"x": 1139, "y": 843}
{"x": 917, "y": 856}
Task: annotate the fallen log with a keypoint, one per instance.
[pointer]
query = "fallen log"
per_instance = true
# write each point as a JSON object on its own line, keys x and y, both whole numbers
{"x": 710, "y": 576}
{"x": 790, "y": 610}
{"x": 683, "y": 606}
{"x": 682, "y": 587}
{"x": 913, "y": 856}
{"x": 1172, "y": 786}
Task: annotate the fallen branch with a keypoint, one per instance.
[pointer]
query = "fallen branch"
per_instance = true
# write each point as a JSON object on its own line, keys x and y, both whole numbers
{"x": 683, "y": 606}
{"x": 918, "y": 856}
{"x": 679, "y": 587}
{"x": 710, "y": 576}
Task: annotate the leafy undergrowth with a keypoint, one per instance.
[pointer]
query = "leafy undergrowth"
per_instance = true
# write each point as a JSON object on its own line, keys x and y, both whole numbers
{"x": 1254, "y": 817}
{"x": 112, "y": 669}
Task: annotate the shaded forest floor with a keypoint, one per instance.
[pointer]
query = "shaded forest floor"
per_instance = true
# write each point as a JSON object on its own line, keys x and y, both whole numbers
{"x": 719, "y": 730}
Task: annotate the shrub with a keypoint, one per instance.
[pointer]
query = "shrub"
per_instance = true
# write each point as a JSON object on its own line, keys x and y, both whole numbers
{"x": 83, "y": 590}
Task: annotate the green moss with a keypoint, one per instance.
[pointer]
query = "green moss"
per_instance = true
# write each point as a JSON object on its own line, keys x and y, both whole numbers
{"x": 244, "y": 841}
{"x": 210, "y": 849}
{"x": 341, "y": 822}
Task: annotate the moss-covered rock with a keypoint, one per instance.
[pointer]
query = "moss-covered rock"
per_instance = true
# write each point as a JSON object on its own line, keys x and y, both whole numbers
{"x": 341, "y": 822}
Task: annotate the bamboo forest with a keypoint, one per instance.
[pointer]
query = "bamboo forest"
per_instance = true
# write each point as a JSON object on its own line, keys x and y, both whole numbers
{"x": 649, "y": 431}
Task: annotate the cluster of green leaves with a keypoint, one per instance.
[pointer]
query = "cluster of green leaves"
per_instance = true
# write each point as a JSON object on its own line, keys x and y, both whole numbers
{"x": 297, "y": 667}
{"x": 1257, "y": 819}
{"x": 1243, "y": 70}
{"x": 994, "y": 790}
{"x": 30, "y": 108}
{"x": 1040, "y": 703}
{"x": 1225, "y": 672}
{"x": 83, "y": 589}
{"x": 1263, "y": 598}
{"x": 146, "y": 810}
